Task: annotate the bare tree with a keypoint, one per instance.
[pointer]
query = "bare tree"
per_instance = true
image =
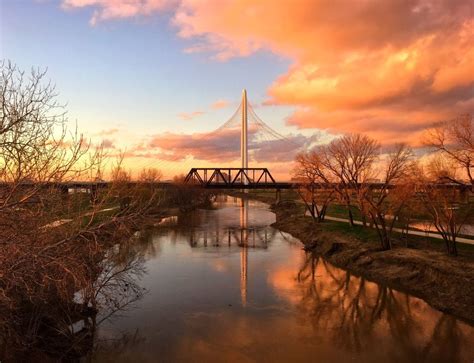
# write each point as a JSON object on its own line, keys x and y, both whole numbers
{"x": 349, "y": 161}
{"x": 315, "y": 189}
{"x": 385, "y": 202}
{"x": 50, "y": 240}
{"x": 448, "y": 206}
{"x": 149, "y": 188}
{"x": 150, "y": 175}
{"x": 455, "y": 140}
{"x": 35, "y": 144}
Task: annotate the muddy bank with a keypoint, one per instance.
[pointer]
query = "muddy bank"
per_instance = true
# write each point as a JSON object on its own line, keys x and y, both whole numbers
{"x": 444, "y": 282}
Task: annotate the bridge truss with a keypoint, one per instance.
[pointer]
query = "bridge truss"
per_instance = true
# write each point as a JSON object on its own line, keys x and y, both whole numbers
{"x": 233, "y": 178}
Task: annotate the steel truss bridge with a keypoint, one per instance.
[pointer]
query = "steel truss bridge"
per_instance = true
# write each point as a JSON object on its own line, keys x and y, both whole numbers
{"x": 234, "y": 178}
{"x": 243, "y": 177}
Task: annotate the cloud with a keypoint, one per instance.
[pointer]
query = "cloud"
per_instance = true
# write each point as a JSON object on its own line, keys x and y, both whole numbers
{"x": 190, "y": 115}
{"x": 107, "y": 144}
{"x": 387, "y": 68}
{"x": 384, "y": 68}
{"x": 220, "y": 147}
{"x": 108, "y": 132}
{"x": 220, "y": 104}
{"x": 119, "y": 9}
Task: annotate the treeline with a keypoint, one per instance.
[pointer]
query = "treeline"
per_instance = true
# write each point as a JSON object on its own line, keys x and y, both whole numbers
{"x": 55, "y": 246}
{"x": 394, "y": 187}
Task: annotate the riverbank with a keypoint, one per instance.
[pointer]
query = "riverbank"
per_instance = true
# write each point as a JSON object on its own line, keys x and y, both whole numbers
{"x": 421, "y": 269}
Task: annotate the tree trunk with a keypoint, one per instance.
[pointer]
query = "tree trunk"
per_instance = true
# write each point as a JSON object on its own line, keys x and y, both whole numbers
{"x": 453, "y": 250}
{"x": 351, "y": 217}
{"x": 322, "y": 214}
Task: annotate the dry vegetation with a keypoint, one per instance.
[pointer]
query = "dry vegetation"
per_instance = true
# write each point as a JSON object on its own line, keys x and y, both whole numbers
{"x": 392, "y": 186}
{"x": 56, "y": 262}
{"x": 55, "y": 246}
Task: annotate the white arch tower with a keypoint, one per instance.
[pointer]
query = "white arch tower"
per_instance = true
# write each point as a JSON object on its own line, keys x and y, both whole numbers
{"x": 243, "y": 133}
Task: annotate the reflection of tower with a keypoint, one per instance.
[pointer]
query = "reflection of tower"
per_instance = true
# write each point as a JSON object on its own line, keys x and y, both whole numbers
{"x": 244, "y": 218}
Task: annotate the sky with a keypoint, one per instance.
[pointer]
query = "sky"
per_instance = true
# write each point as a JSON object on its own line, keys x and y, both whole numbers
{"x": 154, "y": 77}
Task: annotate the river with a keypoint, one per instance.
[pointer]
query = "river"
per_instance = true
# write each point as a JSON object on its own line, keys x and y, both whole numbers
{"x": 222, "y": 285}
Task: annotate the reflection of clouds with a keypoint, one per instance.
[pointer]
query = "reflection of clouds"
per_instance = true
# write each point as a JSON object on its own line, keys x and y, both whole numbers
{"x": 299, "y": 309}
{"x": 269, "y": 336}
{"x": 283, "y": 280}
{"x": 220, "y": 265}
{"x": 356, "y": 314}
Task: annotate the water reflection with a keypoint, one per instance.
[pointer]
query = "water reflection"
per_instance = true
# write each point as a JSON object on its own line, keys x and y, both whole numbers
{"x": 243, "y": 298}
{"x": 244, "y": 220}
{"x": 222, "y": 285}
{"x": 358, "y": 316}
{"x": 226, "y": 233}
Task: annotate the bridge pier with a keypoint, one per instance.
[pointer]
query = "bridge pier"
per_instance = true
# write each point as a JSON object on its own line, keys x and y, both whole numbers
{"x": 278, "y": 196}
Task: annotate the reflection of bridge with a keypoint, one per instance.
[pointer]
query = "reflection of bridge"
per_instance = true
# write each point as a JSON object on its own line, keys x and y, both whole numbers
{"x": 252, "y": 237}
{"x": 243, "y": 236}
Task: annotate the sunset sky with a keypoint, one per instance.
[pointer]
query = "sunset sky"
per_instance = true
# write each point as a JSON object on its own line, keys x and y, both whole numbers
{"x": 154, "y": 76}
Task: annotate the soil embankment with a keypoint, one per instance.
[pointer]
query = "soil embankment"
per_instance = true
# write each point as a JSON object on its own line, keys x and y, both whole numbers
{"x": 424, "y": 271}
{"x": 444, "y": 282}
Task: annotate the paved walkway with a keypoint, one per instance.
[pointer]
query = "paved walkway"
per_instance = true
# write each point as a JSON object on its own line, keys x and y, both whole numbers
{"x": 410, "y": 231}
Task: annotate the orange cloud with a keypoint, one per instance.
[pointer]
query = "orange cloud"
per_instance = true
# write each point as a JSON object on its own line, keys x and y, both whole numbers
{"x": 215, "y": 106}
{"x": 385, "y": 68}
{"x": 220, "y": 104}
{"x": 107, "y": 144}
{"x": 108, "y": 132}
{"x": 220, "y": 147}
{"x": 190, "y": 115}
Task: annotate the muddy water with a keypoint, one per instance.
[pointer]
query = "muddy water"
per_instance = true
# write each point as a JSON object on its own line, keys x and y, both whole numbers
{"x": 223, "y": 286}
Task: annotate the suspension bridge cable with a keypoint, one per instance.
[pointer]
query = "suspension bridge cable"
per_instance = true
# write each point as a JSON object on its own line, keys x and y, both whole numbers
{"x": 260, "y": 133}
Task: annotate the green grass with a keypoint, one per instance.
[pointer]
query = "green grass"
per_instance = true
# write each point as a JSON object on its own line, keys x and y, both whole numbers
{"x": 361, "y": 233}
{"x": 340, "y": 211}
{"x": 366, "y": 234}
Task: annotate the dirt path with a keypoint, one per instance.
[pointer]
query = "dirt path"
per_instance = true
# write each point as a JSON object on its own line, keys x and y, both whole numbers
{"x": 410, "y": 231}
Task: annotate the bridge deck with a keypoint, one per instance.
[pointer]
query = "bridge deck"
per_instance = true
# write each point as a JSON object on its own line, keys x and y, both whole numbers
{"x": 219, "y": 183}
{"x": 249, "y": 186}
{"x": 234, "y": 178}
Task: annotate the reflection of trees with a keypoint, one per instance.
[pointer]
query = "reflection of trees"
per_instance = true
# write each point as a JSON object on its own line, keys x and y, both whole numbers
{"x": 445, "y": 340}
{"x": 356, "y": 313}
{"x": 66, "y": 329}
{"x": 117, "y": 286}
{"x": 140, "y": 244}
{"x": 111, "y": 349}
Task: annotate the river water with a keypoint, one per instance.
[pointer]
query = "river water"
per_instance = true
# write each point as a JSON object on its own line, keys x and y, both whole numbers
{"x": 222, "y": 285}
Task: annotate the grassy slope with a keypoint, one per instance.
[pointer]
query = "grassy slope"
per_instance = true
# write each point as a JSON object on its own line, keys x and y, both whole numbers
{"x": 417, "y": 265}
